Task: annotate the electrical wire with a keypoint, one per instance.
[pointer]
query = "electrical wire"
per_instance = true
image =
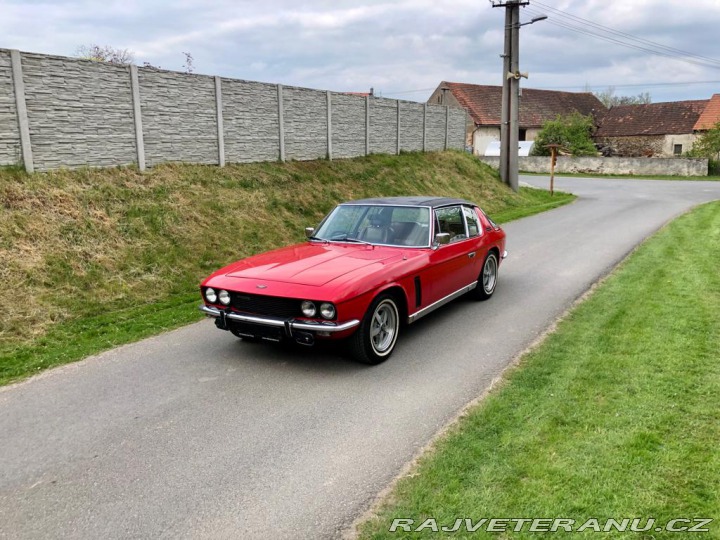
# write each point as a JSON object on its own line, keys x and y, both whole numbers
{"x": 622, "y": 40}
{"x": 566, "y": 15}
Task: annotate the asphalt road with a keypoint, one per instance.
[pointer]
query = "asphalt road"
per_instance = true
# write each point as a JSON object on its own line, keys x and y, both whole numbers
{"x": 196, "y": 434}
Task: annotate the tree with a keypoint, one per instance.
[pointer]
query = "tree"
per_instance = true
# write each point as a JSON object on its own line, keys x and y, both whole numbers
{"x": 707, "y": 145}
{"x": 609, "y": 99}
{"x": 572, "y": 132}
{"x": 189, "y": 65}
{"x": 106, "y": 53}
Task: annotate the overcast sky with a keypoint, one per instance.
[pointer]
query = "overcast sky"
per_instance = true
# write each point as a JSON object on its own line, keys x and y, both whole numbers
{"x": 402, "y": 48}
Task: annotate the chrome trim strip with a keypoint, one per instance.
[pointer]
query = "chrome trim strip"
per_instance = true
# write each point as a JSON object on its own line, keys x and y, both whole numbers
{"x": 449, "y": 298}
{"x": 280, "y": 323}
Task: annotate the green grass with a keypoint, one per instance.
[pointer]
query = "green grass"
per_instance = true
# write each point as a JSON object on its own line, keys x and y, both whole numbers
{"x": 94, "y": 258}
{"x": 616, "y": 414}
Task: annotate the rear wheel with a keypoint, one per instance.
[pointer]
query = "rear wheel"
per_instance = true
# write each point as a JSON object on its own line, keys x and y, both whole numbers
{"x": 488, "y": 278}
{"x": 373, "y": 342}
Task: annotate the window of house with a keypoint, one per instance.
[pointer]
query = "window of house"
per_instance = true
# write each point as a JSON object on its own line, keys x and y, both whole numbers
{"x": 522, "y": 135}
{"x": 677, "y": 149}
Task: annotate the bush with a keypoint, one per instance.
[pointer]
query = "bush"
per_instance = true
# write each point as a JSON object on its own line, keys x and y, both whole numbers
{"x": 572, "y": 132}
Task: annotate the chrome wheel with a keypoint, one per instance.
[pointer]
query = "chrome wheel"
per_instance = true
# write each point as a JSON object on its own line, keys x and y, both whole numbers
{"x": 374, "y": 340}
{"x": 489, "y": 275}
{"x": 383, "y": 327}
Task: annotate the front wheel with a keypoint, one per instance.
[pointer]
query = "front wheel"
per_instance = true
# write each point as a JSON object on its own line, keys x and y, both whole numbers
{"x": 373, "y": 342}
{"x": 488, "y": 278}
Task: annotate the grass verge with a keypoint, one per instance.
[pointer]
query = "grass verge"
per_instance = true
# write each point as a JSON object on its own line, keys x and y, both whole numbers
{"x": 615, "y": 415}
{"x": 94, "y": 258}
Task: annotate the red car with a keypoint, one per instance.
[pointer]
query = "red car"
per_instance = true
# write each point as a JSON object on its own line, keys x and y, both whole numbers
{"x": 370, "y": 267}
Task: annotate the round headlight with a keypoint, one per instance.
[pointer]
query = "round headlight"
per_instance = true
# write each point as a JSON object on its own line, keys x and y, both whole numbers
{"x": 224, "y": 297}
{"x": 308, "y": 308}
{"x": 210, "y": 295}
{"x": 327, "y": 310}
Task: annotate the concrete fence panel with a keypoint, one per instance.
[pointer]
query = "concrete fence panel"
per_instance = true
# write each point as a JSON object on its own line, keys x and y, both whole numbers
{"x": 411, "y": 126}
{"x": 383, "y": 126}
{"x": 79, "y": 112}
{"x": 456, "y": 132}
{"x": 250, "y": 118}
{"x": 178, "y": 116}
{"x": 305, "y": 123}
{"x": 10, "y": 153}
{"x": 348, "y": 125}
{"x": 435, "y": 128}
{"x": 67, "y": 112}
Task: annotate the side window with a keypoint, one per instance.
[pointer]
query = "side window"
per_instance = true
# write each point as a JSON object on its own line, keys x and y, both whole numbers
{"x": 473, "y": 224}
{"x": 450, "y": 220}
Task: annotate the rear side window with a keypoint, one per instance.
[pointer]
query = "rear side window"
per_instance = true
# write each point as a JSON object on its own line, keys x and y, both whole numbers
{"x": 473, "y": 223}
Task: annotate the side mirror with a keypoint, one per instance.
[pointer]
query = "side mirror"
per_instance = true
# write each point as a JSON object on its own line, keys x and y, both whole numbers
{"x": 309, "y": 231}
{"x": 442, "y": 238}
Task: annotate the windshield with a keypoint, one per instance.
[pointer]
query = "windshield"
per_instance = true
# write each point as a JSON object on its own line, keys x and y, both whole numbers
{"x": 377, "y": 224}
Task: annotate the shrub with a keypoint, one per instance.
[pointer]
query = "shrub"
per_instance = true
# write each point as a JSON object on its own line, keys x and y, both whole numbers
{"x": 572, "y": 132}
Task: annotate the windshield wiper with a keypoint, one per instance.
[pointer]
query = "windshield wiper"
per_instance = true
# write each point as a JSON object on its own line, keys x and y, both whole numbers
{"x": 346, "y": 238}
{"x": 317, "y": 239}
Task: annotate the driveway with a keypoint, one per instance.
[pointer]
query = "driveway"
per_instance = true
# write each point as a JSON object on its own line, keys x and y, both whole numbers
{"x": 196, "y": 434}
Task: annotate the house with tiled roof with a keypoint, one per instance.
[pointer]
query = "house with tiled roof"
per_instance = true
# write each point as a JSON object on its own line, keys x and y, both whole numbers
{"x": 653, "y": 129}
{"x": 484, "y": 106}
{"x": 710, "y": 115}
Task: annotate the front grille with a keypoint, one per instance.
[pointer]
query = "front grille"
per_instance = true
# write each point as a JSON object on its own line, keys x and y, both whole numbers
{"x": 266, "y": 305}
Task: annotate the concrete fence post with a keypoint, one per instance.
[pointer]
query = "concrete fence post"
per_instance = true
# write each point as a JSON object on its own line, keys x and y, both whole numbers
{"x": 281, "y": 121}
{"x": 137, "y": 116}
{"x": 220, "y": 128}
{"x": 21, "y": 108}
{"x": 367, "y": 125}
{"x": 397, "y": 151}
{"x": 424, "y": 127}
{"x": 447, "y": 125}
{"x": 329, "y": 126}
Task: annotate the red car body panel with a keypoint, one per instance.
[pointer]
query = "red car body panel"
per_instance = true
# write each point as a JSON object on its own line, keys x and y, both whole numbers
{"x": 351, "y": 275}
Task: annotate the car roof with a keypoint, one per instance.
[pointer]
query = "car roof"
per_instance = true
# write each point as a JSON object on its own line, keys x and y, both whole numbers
{"x": 433, "y": 202}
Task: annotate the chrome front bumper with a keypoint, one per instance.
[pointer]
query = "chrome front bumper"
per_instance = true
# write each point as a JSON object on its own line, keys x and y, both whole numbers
{"x": 288, "y": 324}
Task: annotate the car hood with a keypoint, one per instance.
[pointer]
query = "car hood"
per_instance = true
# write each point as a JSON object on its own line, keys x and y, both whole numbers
{"x": 313, "y": 264}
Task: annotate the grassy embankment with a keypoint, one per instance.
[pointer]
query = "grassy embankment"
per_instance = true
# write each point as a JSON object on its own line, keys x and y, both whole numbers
{"x": 91, "y": 259}
{"x": 615, "y": 415}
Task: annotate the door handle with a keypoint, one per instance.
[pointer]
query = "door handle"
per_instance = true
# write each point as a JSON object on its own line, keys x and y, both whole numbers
{"x": 471, "y": 255}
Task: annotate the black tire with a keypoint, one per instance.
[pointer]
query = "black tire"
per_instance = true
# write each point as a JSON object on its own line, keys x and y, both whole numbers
{"x": 487, "y": 281}
{"x": 374, "y": 340}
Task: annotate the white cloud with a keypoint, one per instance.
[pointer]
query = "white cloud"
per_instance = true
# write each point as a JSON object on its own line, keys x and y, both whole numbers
{"x": 394, "y": 46}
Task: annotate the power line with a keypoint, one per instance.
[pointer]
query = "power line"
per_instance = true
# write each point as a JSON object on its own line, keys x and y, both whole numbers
{"x": 583, "y": 86}
{"x": 564, "y": 14}
{"x": 624, "y": 39}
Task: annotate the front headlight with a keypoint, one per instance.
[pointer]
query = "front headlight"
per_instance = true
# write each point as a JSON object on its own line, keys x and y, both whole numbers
{"x": 224, "y": 297}
{"x": 210, "y": 295}
{"x": 308, "y": 308}
{"x": 327, "y": 310}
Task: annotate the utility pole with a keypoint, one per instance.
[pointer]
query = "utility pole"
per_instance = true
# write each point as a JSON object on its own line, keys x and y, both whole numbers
{"x": 510, "y": 114}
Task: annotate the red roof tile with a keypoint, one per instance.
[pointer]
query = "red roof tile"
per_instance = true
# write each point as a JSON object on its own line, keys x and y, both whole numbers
{"x": 710, "y": 116}
{"x": 484, "y": 103}
{"x": 671, "y": 118}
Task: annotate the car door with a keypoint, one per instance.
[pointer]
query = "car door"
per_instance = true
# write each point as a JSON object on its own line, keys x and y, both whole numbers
{"x": 454, "y": 265}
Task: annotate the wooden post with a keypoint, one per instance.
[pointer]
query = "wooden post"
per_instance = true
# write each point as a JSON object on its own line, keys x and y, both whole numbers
{"x": 553, "y": 158}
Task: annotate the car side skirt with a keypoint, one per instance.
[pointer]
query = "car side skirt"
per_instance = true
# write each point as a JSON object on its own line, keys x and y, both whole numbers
{"x": 435, "y": 305}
